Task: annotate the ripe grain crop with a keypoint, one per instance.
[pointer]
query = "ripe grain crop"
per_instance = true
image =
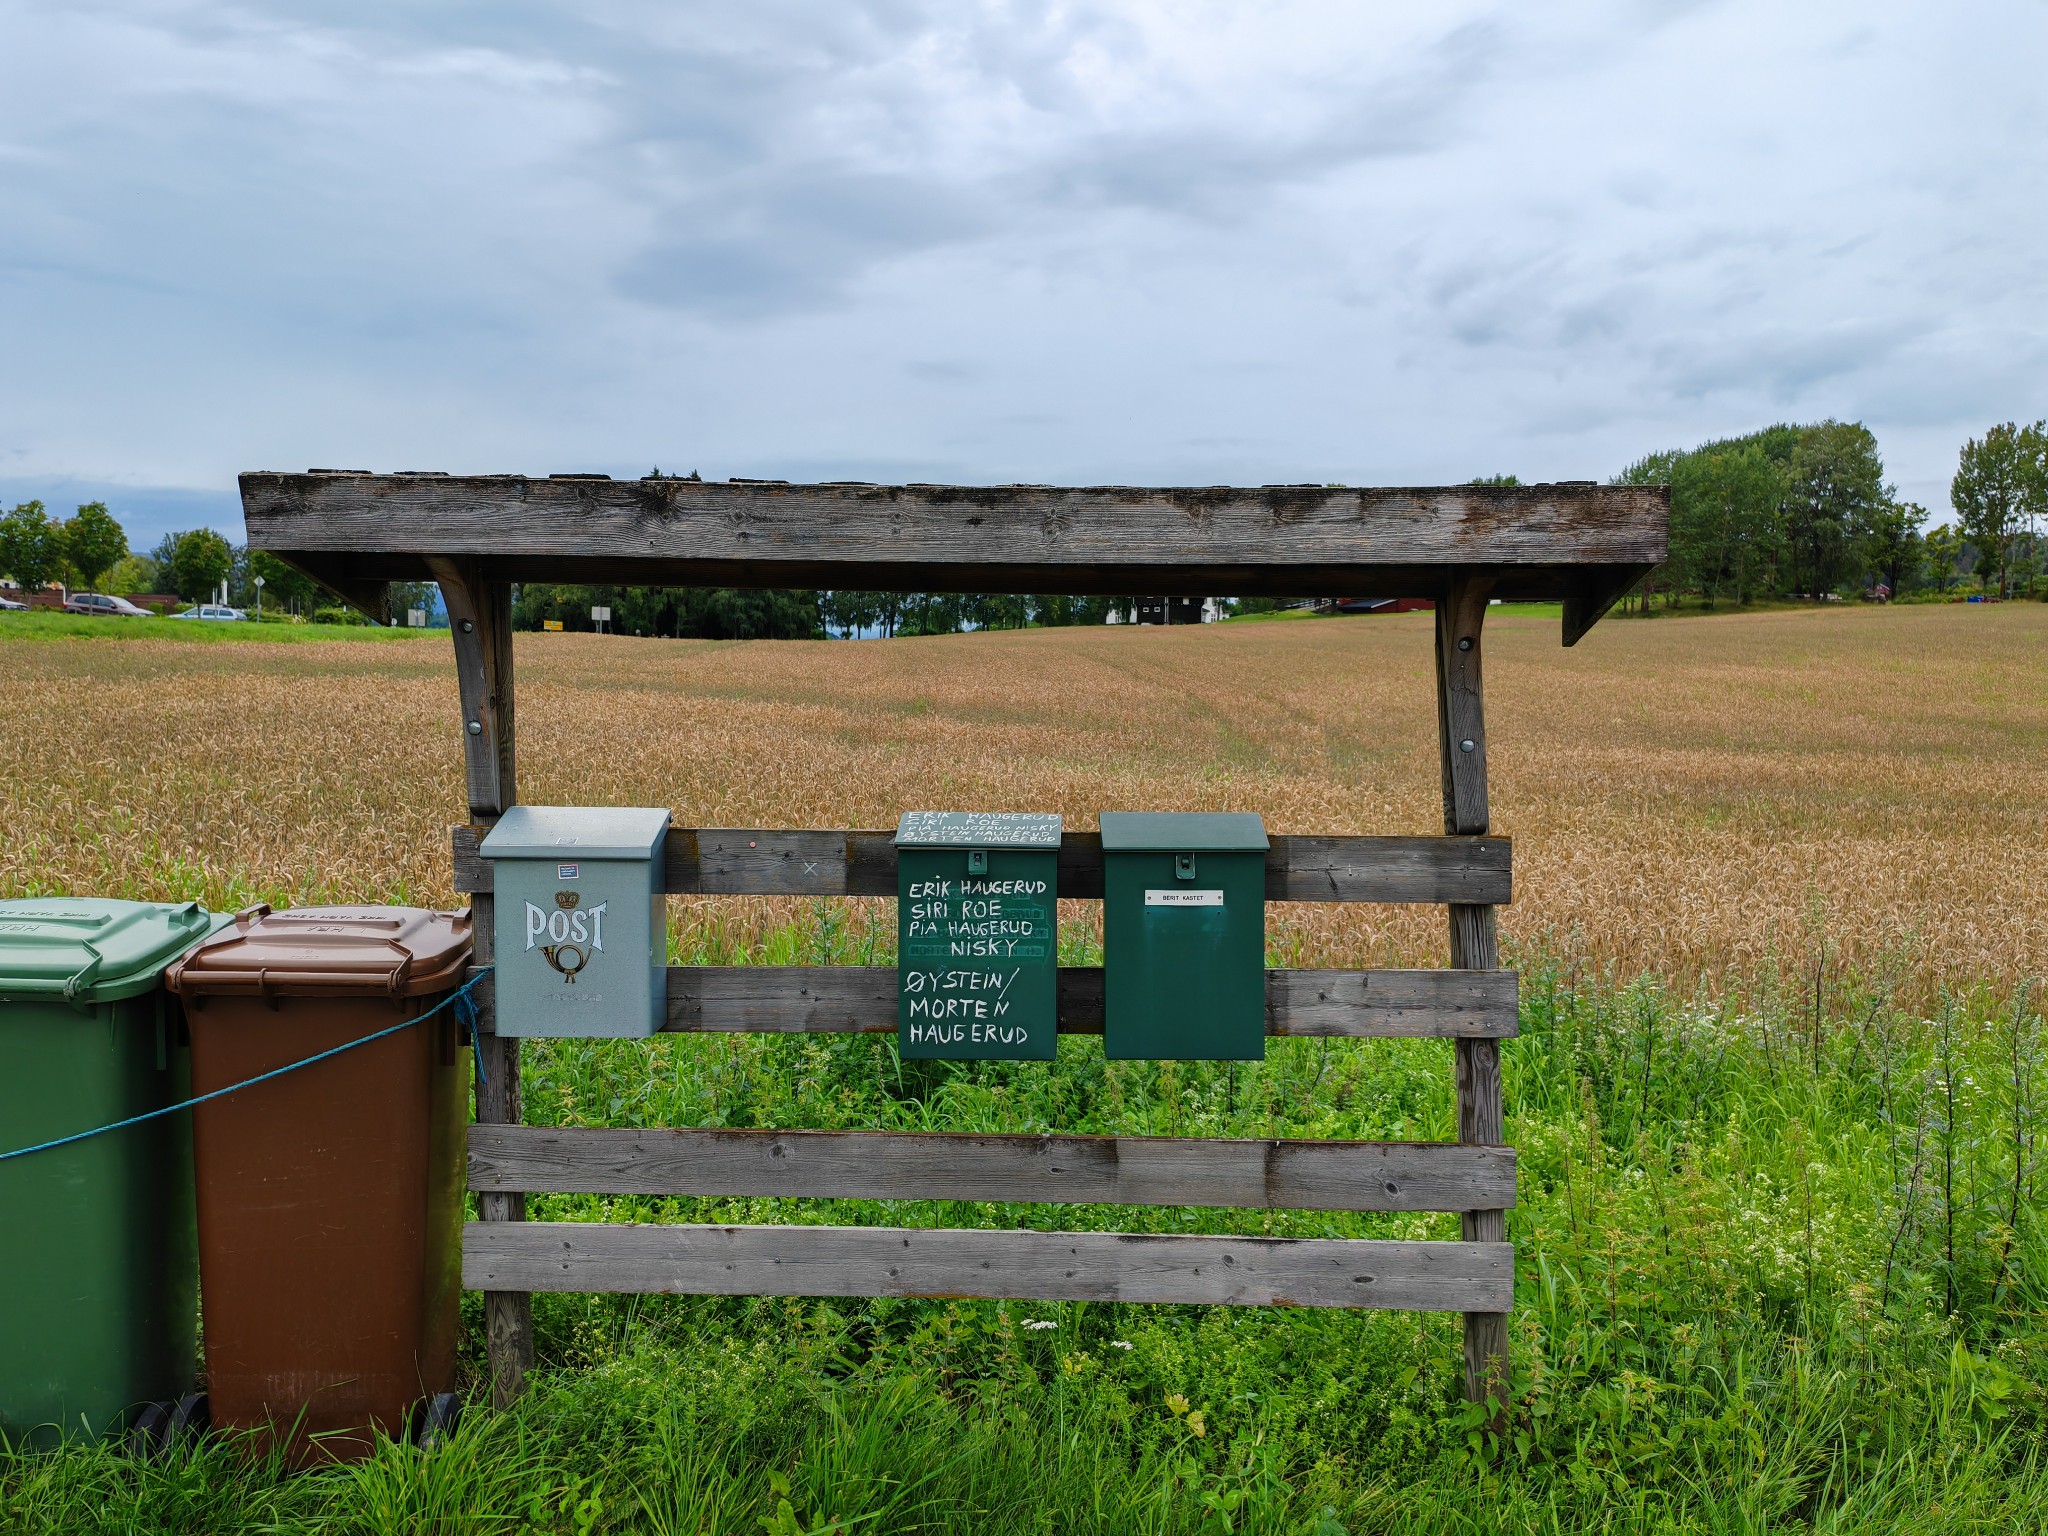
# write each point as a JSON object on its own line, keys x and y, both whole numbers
{"x": 1697, "y": 798}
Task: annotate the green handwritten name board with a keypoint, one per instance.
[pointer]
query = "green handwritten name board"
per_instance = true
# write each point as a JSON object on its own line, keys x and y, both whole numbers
{"x": 977, "y": 935}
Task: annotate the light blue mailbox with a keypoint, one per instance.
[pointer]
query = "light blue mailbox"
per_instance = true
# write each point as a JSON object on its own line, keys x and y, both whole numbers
{"x": 580, "y": 923}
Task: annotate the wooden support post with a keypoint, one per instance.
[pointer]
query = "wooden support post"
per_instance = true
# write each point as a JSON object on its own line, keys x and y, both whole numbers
{"x": 480, "y": 617}
{"x": 1461, "y": 735}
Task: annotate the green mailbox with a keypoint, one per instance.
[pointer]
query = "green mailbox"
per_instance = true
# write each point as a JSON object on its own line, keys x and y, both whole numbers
{"x": 977, "y": 924}
{"x": 1184, "y": 936}
{"x": 581, "y": 923}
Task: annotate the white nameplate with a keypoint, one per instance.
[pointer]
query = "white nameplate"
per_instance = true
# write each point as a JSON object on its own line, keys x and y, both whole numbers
{"x": 1183, "y": 898}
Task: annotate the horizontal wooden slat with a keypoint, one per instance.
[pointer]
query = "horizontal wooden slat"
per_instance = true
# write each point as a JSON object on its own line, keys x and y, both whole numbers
{"x": 745, "y": 861}
{"x": 1066, "y": 1170}
{"x": 861, "y": 1000}
{"x": 1022, "y": 1265}
{"x": 1303, "y": 540}
{"x": 849, "y": 999}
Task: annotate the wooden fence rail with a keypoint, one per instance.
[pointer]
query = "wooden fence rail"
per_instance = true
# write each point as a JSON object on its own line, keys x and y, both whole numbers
{"x": 513, "y": 1257}
{"x": 1063, "y": 1170}
{"x": 861, "y": 1000}
{"x": 743, "y": 861}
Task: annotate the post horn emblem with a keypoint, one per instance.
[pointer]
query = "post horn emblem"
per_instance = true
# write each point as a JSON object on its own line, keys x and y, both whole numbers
{"x": 558, "y": 955}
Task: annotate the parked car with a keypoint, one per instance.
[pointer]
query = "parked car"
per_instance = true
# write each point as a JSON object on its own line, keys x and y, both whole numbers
{"x": 211, "y": 611}
{"x": 9, "y": 605}
{"x": 107, "y": 607}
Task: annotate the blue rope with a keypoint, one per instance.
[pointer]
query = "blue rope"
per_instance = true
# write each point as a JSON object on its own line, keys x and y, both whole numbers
{"x": 466, "y": 1010}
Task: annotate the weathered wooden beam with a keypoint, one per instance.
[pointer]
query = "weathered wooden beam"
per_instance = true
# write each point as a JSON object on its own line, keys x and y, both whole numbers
{"x": 1022, "y": 1265}
{"x": 1589, "y": 593}
{"x": 369, "y": 596}
{"x": 750, "y": 861}
{"x": 1461, "y": 743}
{"x": 1066, "y": 1170}
{"x": 480, "y": 623}
{"x": 1302, "y": 540}
{"x": 861, "y": 1000}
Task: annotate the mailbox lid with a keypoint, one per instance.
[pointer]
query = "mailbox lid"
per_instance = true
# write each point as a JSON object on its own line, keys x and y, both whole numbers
{"x": 576, "y": 831}
{"x": 1183, "y": 832}
{"x": 979, "y": 829}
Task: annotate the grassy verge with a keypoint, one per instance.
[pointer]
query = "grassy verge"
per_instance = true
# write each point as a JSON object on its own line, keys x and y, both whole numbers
{"x": 41, "y": 624}
{"x": 1776, "y": 1271}
{"x": 1499, "y": 610}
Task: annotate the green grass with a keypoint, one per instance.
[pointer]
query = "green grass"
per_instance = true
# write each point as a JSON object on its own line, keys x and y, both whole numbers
{"x": 41, "y": 624}
{"x": 1777, "y": 1271}
{"x": 1499, "y": 610}
{"x": 1278, "y": 615}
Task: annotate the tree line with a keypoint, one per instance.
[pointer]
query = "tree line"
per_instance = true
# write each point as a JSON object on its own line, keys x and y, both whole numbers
{"x": 1805, "y": 511}
{"x": 89, "y": 551}
{"x": 720, "y": 613}
{"x": 37, "y": 549}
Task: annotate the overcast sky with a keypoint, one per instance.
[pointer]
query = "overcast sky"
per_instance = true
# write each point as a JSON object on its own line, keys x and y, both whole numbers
{"x": 1142, "y": 242}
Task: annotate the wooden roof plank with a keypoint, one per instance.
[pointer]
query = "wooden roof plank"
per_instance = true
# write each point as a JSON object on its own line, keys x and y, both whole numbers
{"x": 1305, "y": 540}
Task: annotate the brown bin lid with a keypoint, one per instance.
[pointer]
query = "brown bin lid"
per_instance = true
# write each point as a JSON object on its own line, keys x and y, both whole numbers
{"x": 328, "y": 952}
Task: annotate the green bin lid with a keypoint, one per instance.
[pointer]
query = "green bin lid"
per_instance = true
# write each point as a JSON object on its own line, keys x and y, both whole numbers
{"x": 86, "y": 949}
{"x": 1182, "y": 832}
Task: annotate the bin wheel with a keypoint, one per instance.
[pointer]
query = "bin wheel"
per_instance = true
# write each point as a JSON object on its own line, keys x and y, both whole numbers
{"x": 190, "y": 1420}
{"x": 146, "y": 1437}
{"x": 162, "y": 1428}
{"x": 438, "y": 1416}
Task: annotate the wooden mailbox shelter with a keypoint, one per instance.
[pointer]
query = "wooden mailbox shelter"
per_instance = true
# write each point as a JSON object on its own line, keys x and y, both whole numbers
{"x": 1577, "y": 543}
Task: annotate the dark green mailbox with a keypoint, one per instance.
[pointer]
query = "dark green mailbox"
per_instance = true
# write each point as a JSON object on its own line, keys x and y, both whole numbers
{"x": 977, "y": 922}
{"x": 1184, "y": 936}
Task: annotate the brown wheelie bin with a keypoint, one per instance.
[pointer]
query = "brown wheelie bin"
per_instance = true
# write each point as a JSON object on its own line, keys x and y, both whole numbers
{"x": 330, "y": 1197}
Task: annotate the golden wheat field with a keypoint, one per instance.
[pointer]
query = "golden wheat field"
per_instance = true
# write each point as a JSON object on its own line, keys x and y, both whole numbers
{"x": 1699, "y": 798}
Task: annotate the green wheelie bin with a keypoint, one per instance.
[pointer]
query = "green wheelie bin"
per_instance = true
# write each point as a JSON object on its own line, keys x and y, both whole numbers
{"x": 99, "y": 1263}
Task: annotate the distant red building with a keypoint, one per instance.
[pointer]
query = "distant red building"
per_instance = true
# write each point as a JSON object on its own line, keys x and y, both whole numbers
{"x": 1383, "y": 605}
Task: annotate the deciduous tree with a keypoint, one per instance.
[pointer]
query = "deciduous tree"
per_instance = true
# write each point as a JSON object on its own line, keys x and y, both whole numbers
{"x": 1944, "y": 553}
{"x": 851, "y": 612}
{"x": 1724, "y": 519}
{"x": 94, "y": 542}
{"x": 283, "y": 587}
{"x": 2000, "y": 492}
{"x": 1835, "y": 482}
{"x": 31, "y": 548}
{"x": 200, "y": 560}
{"x": 1891, "y": 542}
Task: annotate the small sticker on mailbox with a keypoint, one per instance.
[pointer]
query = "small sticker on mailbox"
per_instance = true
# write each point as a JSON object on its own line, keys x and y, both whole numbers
{"x": 1183, "y": 898}
{"x": 568, "y": 871}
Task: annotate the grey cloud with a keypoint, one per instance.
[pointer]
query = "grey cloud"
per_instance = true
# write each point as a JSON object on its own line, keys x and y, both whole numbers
{"x": 1786, "y": 367}
{"x": 782, "y": 237}
{"x": 793, "y": 239}
{"x": 1318, "y": 242}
